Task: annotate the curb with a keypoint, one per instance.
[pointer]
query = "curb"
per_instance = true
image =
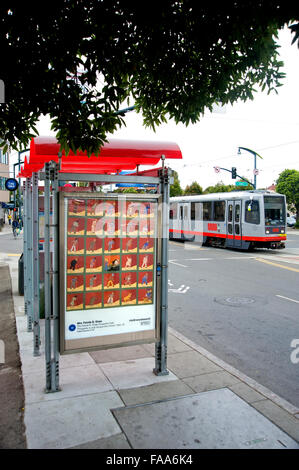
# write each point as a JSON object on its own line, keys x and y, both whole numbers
{"x": 281, "y": 402}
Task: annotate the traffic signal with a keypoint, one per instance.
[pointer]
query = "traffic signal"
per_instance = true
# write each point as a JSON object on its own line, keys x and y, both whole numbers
{"x": 234, "y": 172}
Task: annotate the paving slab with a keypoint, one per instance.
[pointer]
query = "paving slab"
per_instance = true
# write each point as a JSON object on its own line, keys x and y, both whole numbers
{"x": 190, "y": 364}
{"x": 60, "y": 424}
{"x": 31, "y": 363}
{"x": 75, "y": 360}
{"x": 247, "y": 393}
{"x": 25, "y": 338}
{"x": 134, "y": 373}
{"x": 155, "y": 392}
{"x": 74, "y": 381}
{"x": 175, "y": 345}
{"x": 217, "y": 419}
{"x": 211, "y": 381}
{"x": 279, "y": 416}
{"x": 117, "y": 354}
{"x": 118, "y": 441}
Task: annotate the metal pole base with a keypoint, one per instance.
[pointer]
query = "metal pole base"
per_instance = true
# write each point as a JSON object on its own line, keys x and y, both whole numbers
{"x": 160, "y": 372}
{"x": 52, "y": 391}
{"x": 161, "y": 360}
{"x": 52, "y": 377}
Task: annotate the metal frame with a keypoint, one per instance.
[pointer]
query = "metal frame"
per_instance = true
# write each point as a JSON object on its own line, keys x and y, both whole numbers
{"x": 35, "y": 265}
{"x": 52, "y": 283}
{"x": 108, "y": 197}
{"x": 161, "y": 346}
{"x": 28, "y": 258}
{"x": 25, "y": 245}
{"x": 51, "y": 280}
{"x": 104, "y": 178}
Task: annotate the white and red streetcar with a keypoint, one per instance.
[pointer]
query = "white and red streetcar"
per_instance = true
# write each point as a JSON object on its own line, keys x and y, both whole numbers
{"x": 238, "y": 219}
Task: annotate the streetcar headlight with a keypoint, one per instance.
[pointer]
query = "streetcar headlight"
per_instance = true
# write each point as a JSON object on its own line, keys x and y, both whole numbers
{"x": 282, "y": 231}
{"x": 267, "y": 231}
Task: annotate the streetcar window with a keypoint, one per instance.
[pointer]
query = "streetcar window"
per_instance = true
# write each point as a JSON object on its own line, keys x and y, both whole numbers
{"x": 185, "y": 212}
{"x": 173, "y": 211}
{"x": 274, "y": 210}
{"x": 207, "y": 211}
{"x": 219, "y": 211}
{"x": 252, "y": 212}
{"x": 230, "y": 213}
{"x": 193, "y": 211}
{"x": 181, "y": 212}
{"x": 196, "y": 211}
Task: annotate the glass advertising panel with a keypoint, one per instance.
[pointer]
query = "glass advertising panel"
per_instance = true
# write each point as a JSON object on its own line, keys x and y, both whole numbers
{"x": 108, "y": 257}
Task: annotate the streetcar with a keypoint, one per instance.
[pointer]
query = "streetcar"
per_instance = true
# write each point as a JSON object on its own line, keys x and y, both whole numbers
{"x": 237, "y": 219}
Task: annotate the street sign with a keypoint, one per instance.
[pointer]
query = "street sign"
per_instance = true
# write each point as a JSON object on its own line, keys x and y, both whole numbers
{"x": 11, "y": 184}
{"x": 241, "y": 183}
{"x": 7, "y": 205}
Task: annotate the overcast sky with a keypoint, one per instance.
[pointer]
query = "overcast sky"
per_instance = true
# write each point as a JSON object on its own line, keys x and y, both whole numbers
{"x": 268, "y": 125}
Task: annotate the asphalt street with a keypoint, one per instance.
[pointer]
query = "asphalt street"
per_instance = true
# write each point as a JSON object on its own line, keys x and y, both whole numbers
{"x": 242, "y": 307}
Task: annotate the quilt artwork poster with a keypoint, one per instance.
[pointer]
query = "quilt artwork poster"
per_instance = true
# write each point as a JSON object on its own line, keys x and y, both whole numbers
{"x": 110, "y": 258}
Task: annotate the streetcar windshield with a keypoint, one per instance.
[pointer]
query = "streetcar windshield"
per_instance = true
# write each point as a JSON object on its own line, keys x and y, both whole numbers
{"x": 274, "y": 210}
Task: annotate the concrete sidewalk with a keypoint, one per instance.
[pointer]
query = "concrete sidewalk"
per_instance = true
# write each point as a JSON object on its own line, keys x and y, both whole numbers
{"x": 6, "y": 228}
{"x": 111, "y": 399}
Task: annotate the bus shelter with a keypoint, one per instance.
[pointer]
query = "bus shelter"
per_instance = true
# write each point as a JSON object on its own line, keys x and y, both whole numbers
{"x": 105, "y": 253}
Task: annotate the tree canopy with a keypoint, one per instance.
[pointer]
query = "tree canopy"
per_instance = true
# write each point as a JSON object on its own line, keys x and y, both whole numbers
{"x": 79, "y": 61}
{"x": 193, "y": 189}
{"x": 288, "y": 184}
{"x": 220, "y": 187}
{"x": 175, "y": 188}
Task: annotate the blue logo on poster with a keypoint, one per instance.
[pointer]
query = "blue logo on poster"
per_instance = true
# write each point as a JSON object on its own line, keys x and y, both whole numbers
{"x": 72, "y": 327}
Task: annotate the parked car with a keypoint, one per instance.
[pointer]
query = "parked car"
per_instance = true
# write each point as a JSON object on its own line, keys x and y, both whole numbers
{"x": 291, "y": 220}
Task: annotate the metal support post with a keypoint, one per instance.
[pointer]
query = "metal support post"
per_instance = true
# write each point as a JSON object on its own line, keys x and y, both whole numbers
{"x": 29, "y": 256}
{"x": 161, "y": 346}
{"x": 47, "y": 278}
{"x": 55, "y": 210}
{"x": 25, "y": 264}
{"x": 35, "y": 259}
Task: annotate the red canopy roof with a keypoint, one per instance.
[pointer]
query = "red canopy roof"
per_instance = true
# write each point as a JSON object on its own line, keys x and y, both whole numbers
{"x": 116, "y": 155}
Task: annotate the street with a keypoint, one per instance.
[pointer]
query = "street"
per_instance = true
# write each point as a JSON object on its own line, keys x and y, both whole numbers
{"x": 242, "y": 307}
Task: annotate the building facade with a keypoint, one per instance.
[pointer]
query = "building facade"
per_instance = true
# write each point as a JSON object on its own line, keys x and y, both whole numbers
{"x": 4, "y": 174}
